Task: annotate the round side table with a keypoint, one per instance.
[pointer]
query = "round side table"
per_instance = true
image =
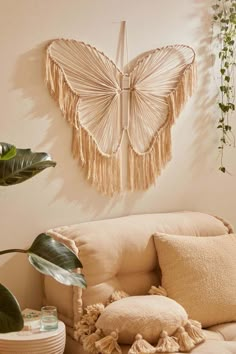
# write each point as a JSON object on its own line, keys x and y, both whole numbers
{"x": 42, "y": 342}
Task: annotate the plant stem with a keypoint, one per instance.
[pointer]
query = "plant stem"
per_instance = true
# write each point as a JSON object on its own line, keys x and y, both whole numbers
{"x": 224, "y": 22}
{"x": 13, "y": 250}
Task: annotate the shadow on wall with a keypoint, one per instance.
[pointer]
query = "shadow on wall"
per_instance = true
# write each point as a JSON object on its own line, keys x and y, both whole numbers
{"x": 205, "y": 98}
{"x": 72, "y": 186}
{"x": 20, "y": 277}
{"x": 29, "y": 79}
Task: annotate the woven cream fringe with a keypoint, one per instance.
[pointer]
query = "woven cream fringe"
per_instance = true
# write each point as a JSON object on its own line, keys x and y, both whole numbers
{"x": 140, "y": 345}
{"x": 157, "y": 291}
{"x": 102, "y": 171}
{"x": 143, "y": 169}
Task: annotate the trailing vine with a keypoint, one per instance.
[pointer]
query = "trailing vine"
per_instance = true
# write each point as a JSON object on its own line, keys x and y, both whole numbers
{"x": 224, "y": 29}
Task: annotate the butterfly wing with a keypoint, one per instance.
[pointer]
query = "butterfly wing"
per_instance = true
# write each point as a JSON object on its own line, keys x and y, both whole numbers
{"x": 160, "y": 85}
{"x": 86, "y": 85}
{"x": 152, "y": 81}
{"x": 94, "y": 80}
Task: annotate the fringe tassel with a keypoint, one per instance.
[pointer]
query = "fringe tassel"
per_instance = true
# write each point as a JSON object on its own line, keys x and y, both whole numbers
{"x": 61, "y": 91}
{"x": 93, "y": 312}
{"x": 102, "y": 171}
{"x": 195, "y": 323}
{"x": 89, "y": 341}
{"x": 83, "y": 330}
{"x": 108, "y": 344}
{"x": 77, "y": 308}
{"x": 116, "y": 295}
{"x": 178, "y": 97}
{"x": 86, "y": 325}
{"x": 141, "y": 346}
{"x": 157, "y": 291}
{"x": 167, "y": 344}
{"x": 186, "y": 344}
{"x": 144, "y": 168}
{"x": 195, "y": 333}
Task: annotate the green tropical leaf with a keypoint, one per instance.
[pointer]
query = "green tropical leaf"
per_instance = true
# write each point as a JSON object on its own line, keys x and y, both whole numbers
{"x": 55, "y": 252}
{"x": 7, "y": 151}
{"x": 63, "y": 276}
{"x": 11, "y": 319}
{"x": 222, "y": 169}
{"x": 24, "y": 165}
{"x": 53, "y": 258}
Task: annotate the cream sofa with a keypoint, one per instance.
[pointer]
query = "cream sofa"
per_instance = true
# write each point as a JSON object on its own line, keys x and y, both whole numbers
{"x": 120, "y": 254}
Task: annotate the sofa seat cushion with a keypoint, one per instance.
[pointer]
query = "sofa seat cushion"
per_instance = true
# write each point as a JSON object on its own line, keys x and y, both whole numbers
{"x": 200, "y": 274}
{"x": 215, "y": 347}
{"x": 119, "y": 254}
{"x": 226, "y": 330}
{"x": 212, "y": 335}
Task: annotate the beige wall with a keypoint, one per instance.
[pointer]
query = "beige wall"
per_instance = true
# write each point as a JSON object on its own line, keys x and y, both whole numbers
{"x": 30, "y": 118}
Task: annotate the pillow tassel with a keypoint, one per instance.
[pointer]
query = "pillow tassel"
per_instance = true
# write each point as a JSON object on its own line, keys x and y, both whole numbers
{"x": 157, "y": 291}
{"x": 116, "y": 295}
{"x": 93, "y": 312}
{"x": 86, "y": 325}
{"x": 141, "y": 346}
{"x": 167, "y": 344}
{"x": 195, "y": 333}
{"x": 195, "y": 323}
{"x": 186, "y": 344}
{"x": 89, "y": 341}
{"x": 108, "y": 344}
{"x": 83, "y": 330}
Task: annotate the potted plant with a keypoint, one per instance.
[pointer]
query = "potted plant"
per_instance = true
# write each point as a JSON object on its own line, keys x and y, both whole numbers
{"x": 47, "y": 255}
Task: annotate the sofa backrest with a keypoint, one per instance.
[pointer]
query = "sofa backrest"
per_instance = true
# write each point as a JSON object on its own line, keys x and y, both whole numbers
{"x": 119, "y": 254}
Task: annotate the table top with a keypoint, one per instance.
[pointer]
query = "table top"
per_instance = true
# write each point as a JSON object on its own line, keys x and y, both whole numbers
{"x": 35, "y": 336}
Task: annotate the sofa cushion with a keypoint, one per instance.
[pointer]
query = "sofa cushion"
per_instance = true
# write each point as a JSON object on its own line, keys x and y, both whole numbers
{"x": 200, "y": 274}
{"x": 226, "y": 330}
{"x": 119, "y": 254}
{"x": 146, "y": 315}
{"x": 215, "y": 347}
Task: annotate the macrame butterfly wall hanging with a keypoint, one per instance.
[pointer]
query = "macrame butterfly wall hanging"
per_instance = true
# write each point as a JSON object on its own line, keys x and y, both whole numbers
{"x": 102, "y": 103}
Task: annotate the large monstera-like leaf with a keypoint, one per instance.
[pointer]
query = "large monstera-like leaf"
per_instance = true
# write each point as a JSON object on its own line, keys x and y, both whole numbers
{"x": 49, "y": 257}
{"x": 53, "y": 258}
{"x": 10, "y": 314}
{"x": 24, "y": 165}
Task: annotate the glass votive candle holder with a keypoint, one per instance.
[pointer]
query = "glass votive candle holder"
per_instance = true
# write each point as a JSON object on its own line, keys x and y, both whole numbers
{"x": 49, "y": 320}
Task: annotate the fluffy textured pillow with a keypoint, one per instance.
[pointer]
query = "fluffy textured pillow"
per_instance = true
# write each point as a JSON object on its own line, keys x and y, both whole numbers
{"x": 147, "y": 315}
{"x": 200, "y": 274}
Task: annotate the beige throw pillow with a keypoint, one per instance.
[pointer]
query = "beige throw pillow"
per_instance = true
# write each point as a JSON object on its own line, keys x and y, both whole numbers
{"x": 146, "y": 315}
{"x": 200, "y": 274}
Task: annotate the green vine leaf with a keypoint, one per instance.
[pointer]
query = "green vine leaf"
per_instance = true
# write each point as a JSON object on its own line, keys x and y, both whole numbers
{"x": 224, "y": 32}
{"x": 228, "y": 127}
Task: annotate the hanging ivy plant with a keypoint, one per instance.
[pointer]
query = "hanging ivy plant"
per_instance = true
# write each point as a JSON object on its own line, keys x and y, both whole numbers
{"x": 224, "y": 29}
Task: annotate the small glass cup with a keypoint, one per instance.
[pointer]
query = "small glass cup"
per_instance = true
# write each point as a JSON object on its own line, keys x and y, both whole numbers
{"x": 49, "y": 319}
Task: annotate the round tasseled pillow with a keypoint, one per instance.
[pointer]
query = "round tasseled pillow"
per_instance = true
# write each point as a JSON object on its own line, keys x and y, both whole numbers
{"x": 147, "y": 315}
